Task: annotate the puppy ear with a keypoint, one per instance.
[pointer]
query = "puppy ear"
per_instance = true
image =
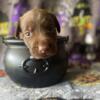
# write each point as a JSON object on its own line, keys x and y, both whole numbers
{"x": 56, "y": 23}
{"x": 18, "y": 30}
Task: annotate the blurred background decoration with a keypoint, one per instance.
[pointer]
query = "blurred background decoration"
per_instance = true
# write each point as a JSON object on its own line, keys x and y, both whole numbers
{"x": 81, "y": 20}
{"x": 3, "y": 24}
{"x": 18, "y": 10}
{"x": 83, "y": 30}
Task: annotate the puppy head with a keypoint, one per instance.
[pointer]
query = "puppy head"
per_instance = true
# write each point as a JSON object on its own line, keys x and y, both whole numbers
{"x": 38, "y": 28}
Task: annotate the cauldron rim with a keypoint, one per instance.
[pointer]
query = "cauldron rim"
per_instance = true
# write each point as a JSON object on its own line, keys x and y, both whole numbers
{"x": 13, "y": 41}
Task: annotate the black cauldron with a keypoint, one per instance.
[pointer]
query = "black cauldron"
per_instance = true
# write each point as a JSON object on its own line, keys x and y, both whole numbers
{"x": 31, "y": 72}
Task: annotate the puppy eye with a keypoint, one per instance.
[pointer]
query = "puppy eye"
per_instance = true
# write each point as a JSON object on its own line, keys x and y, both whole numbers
{"x": 28, "y": 34}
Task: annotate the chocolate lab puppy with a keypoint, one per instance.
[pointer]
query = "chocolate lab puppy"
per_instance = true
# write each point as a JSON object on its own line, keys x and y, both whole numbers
{"x": 38, "y": 28}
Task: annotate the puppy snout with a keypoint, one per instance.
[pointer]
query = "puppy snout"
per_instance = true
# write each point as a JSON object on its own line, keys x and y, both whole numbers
{"x": 43, "y": 49}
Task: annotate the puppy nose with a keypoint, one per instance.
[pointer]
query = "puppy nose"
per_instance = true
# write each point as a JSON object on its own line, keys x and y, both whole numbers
{"x": 43, "y": 49}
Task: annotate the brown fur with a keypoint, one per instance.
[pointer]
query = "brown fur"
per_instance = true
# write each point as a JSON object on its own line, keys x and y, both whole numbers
{"x": 38, "y": 28}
